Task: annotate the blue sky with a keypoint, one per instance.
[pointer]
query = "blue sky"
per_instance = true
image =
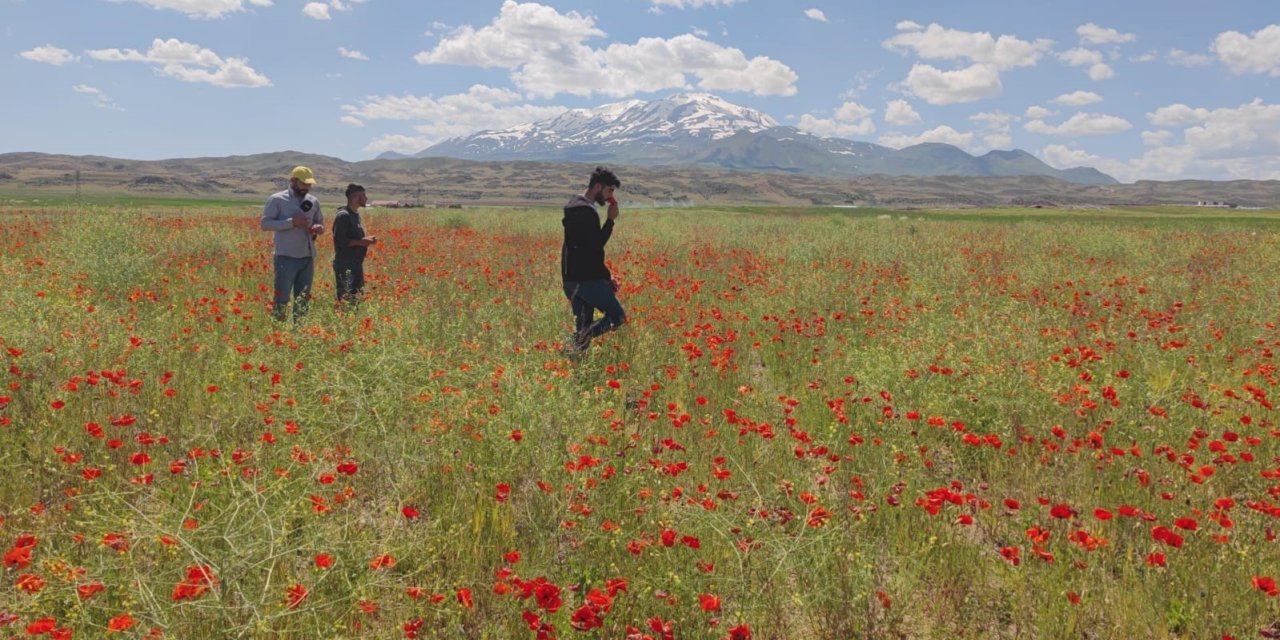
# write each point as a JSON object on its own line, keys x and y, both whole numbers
{"x": 1141, "y": 89}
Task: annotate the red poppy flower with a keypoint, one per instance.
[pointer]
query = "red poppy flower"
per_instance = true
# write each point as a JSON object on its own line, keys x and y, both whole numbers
{"x": 294, "y": 595}
{"x": 709, "y": 602}
{"x": 29, "y": 583}
{"x": 585, "y": 619}
{"x": 17, "y": 557}
{"x": 121, "y": 622}
{"x": 41, "y": 626}
{"x": 667, "y": 537}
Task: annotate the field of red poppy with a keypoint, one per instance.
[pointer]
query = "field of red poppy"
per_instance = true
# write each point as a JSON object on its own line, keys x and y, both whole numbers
{"x": 816, "y": 425}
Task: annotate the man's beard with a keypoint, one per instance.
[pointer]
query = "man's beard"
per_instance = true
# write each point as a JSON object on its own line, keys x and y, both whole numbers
{"x": 600, "y": 198}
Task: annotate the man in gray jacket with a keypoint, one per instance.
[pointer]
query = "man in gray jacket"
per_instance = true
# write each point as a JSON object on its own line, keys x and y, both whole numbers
{"x": 294, "y": 215}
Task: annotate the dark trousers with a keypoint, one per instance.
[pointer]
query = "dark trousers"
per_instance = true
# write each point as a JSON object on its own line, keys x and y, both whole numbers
{"x": 348, "y": 276}
{"x": 587, "y": 296}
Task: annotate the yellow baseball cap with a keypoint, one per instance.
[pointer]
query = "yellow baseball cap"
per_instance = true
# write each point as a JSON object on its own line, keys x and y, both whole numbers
{"x": 303, "y": 174}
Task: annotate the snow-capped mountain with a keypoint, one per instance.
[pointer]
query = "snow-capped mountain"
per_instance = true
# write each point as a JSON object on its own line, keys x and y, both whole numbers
{"x": 700, "y": 128}
{"x": 634, "y": 130}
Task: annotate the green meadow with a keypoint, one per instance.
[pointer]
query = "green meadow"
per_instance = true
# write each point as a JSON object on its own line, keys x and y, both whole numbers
{"x": 817, "y": 424}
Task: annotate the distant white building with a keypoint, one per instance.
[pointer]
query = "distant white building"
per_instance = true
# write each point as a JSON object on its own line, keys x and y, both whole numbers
{"x": 1217, "y": 204}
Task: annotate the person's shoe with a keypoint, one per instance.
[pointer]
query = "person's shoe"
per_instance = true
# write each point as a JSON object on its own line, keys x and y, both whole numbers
{"x": 574, "y": 346}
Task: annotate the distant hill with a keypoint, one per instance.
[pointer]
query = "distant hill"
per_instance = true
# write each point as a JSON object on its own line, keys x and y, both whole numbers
{"x": 439, "y": 181}
{"x": 703, "y": 129}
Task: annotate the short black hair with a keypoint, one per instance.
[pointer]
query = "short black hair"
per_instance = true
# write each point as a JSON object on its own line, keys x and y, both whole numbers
{"x": 605, "y": 177}
{"x": 353, "y": 189}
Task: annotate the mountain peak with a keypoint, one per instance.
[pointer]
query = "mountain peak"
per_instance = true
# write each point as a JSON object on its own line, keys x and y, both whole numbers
{"x": 696, "y": 127}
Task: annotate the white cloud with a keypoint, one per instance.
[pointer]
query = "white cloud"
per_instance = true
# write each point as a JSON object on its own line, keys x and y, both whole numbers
{"x": 1081, "y": 124}
{"x": 1258, "y": 53}
{"x": 1081, "y": 57}
{"x": 1077, "y": 98}
{"x": 436, "y": 26}
{"x": 861, "y": 82}
{"x": 352, "y": 121}
{"x": 996, "y": 125}
{"x": 49, "y": 54}
{"x": 998, "y": 140}
{"x": 320, "y": 10}
{"x": 188, "y": 62}
{"x": 993, "y": 120}
{"x": 100, "y": 99}
{"x": 1249, "y": 131}
{"x": 1178, "y": 114}
{"x": 939, "y": 43}
{"x": 203, "y": 8}
{"x": 349, "y": 53}
{"x": 316, "y": 11}
{"x": 1156, "y": 138}
{"x": 544, "y": 51}
{"x": 1181, "y": 58}
{"x": 850, "y": 120}
{"x": 1101, "y": 71}
{"x": 1062, "y": 157}
{"x": 400, "y": 143}
{"x": 1091, "y": 33}
{"x": 908, "y": 25}
{"x": 943, "y": 134}
{"x": 1037, "y": 112}
{"x": 481, "y": 108}
{"x": 952, "y": 87}
{"x": 815, "y": 14}
{"x": 901, "y": 113}
{"x": 693, "y": 4}
{"x": 1240, "y": 143}
{"x": 1164, "y": 163}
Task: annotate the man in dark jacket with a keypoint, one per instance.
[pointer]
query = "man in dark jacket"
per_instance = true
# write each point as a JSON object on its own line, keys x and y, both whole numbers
{"x": 350, "y": 244}
{"x": 587, "y": 282}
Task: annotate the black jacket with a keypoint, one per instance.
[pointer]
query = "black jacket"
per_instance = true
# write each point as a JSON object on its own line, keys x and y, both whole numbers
{"x": 582, "y": 255}
{"x": 347, "y": 227}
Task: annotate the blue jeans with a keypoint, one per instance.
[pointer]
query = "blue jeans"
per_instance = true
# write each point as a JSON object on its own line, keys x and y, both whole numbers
{"x": 293, "y": 280}
{"x": 348, "y": 275}
{"x": 587, "y": 296}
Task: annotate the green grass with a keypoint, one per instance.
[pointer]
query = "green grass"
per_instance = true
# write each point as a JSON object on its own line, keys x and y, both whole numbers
{"x": 831, "y": 412}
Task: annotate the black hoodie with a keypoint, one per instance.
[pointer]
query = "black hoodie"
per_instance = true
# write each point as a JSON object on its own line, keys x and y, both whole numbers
{"x": 582, "y": 255}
